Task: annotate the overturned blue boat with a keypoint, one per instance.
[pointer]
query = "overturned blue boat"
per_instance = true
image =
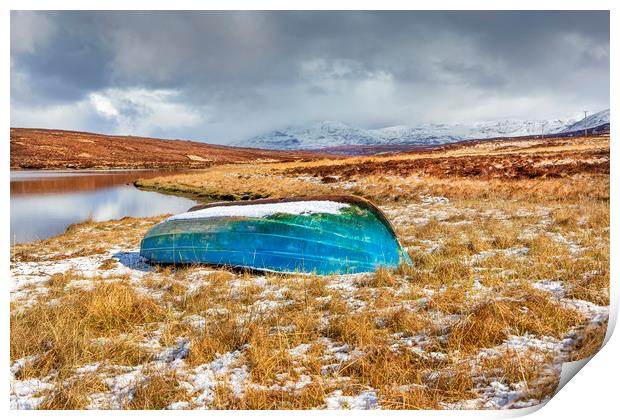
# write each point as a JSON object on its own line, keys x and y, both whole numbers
{"x": 322, "y": 235}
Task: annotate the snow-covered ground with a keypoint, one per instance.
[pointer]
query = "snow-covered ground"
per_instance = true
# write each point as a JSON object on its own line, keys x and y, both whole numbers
{"x": 30, "y": 280}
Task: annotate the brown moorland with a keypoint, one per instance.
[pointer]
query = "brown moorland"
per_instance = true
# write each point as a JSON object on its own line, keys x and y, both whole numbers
{"x": 34, "y": 148}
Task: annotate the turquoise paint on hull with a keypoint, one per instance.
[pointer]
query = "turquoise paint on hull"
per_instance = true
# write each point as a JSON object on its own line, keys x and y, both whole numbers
{"x": 357, "y": 239}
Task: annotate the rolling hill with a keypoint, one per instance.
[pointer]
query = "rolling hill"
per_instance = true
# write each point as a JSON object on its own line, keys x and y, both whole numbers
{"x": 33, "y": 148}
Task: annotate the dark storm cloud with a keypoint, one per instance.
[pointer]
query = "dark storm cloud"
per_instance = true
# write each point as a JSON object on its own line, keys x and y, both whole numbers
{"x": 226, "y": 75}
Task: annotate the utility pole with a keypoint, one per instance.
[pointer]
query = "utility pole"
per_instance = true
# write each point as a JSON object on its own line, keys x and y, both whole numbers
{"x": 585, "y": 123}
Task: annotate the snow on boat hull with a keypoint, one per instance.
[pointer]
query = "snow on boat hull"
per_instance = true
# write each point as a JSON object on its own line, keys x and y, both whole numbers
{"x": 322, "y": 235}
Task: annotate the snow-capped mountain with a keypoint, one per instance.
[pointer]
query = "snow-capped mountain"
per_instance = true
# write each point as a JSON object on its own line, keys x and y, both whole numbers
{"x": 325, "y": 134}
{"x": 593, "y": 121}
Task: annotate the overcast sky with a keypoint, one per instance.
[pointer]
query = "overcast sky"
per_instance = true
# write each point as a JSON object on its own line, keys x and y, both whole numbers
{"x": 225, "y": 76}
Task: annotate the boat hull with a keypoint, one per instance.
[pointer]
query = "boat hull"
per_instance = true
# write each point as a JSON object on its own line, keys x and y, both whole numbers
{"x": 353, "y": 238}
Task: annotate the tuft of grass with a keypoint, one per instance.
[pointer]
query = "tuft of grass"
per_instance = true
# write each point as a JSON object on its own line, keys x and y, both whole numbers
{"x": 406, "y": 322}
{"x": 66, "y": 334}
{"x": 537, "y": 370}
{"x": 73, "y": 395}
{"x": 521, "y": 311}
{"x": 60, "y": 280}
{"x": 411, "y": 397}
{"x": 108, "y": 264}
{"x": 439, "y": 269}
{"x": 505, "y": 233}
{"x": 114, "y": 307}
{"x": 590, "y": 342}
{"x": 311, "y": 396}
{"x": 357, "y": 329}
{"x": 268, "y": 356}
{"x": 219, "y": 337}
{"x": 383, "y": 277}
{"x": 157, "y": 391}
{"x": 453, "y": 300}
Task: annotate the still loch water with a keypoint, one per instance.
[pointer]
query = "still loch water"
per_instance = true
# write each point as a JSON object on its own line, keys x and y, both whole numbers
{"x": 45, "y": 203}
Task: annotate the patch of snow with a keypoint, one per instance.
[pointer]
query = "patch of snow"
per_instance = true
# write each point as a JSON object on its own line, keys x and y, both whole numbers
{"x": 509, "y": 252}
{"x": 264, "y": 210}
{"x": 264, "y": 305}
{"x": 496, "y": 395}
{"x": 204, "y": 378}
{"x": 121, "y": 388}
{"x": 573, "y": 248}
{"x": 90, "y": 368}
{"x": 525, "y": 342}
{"x": 299, "y": 350}
{"x": 367, "y": 400}
{"x": 596, "y": 313}
{"x": 19, "y": 364}
{"x": 26, "y": 394}
{"x": 482, "y": 255}
{"x": 179, "y": 405}
{"x": 427, "y": 199}
{"x": 556, "y": 288}
{"x": 287, "y": 329}
{"x": 516, "y": 250}
{"x": 196, "y": 321}
{"x": 476, "y": 285}
{"x": 178, "y": 352}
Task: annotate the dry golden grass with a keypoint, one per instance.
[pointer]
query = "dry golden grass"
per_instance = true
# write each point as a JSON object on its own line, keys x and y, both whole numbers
{"x": 256, "y": 181}
{"x": 311, "y": 396}
{"x": 590, "y": 342}
{"x": 60, "y": 280}
{"x": 383, "y": 277}
{"x": 268, "y": 356}
{"x": 520, "y": 310}
{"x": 65, "y": 334}
{"x": 535, "y": 369}
{"x": 453, "y": 300}
{"x": 406, "y": 322}
{"x": 358, "y": 330}
{"x": 74, "y": 394}
{"x": 157, "y": 391}
{"x": 219, "y": 337}
{"x": 108, "y": 264}
{"x": 413, "y": 397}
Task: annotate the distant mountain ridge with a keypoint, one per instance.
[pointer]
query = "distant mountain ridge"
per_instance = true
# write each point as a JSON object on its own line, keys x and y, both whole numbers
{"x": 330, "y": 134}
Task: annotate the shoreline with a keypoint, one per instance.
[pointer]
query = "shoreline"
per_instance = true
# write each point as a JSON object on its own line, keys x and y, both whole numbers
{"x": 201, "y": 197}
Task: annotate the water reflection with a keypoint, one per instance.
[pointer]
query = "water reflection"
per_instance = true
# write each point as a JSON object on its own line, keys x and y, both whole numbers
{"x": 38, "y": 182}
{"x": 44, "y": 203}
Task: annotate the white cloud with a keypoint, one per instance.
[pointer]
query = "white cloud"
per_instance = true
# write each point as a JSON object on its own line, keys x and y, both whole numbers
{"x": 134, "y": 111}
{"x": 143, "y": 111}
{"x": 103, "y": 105}
{"x": 70, "y": 116}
